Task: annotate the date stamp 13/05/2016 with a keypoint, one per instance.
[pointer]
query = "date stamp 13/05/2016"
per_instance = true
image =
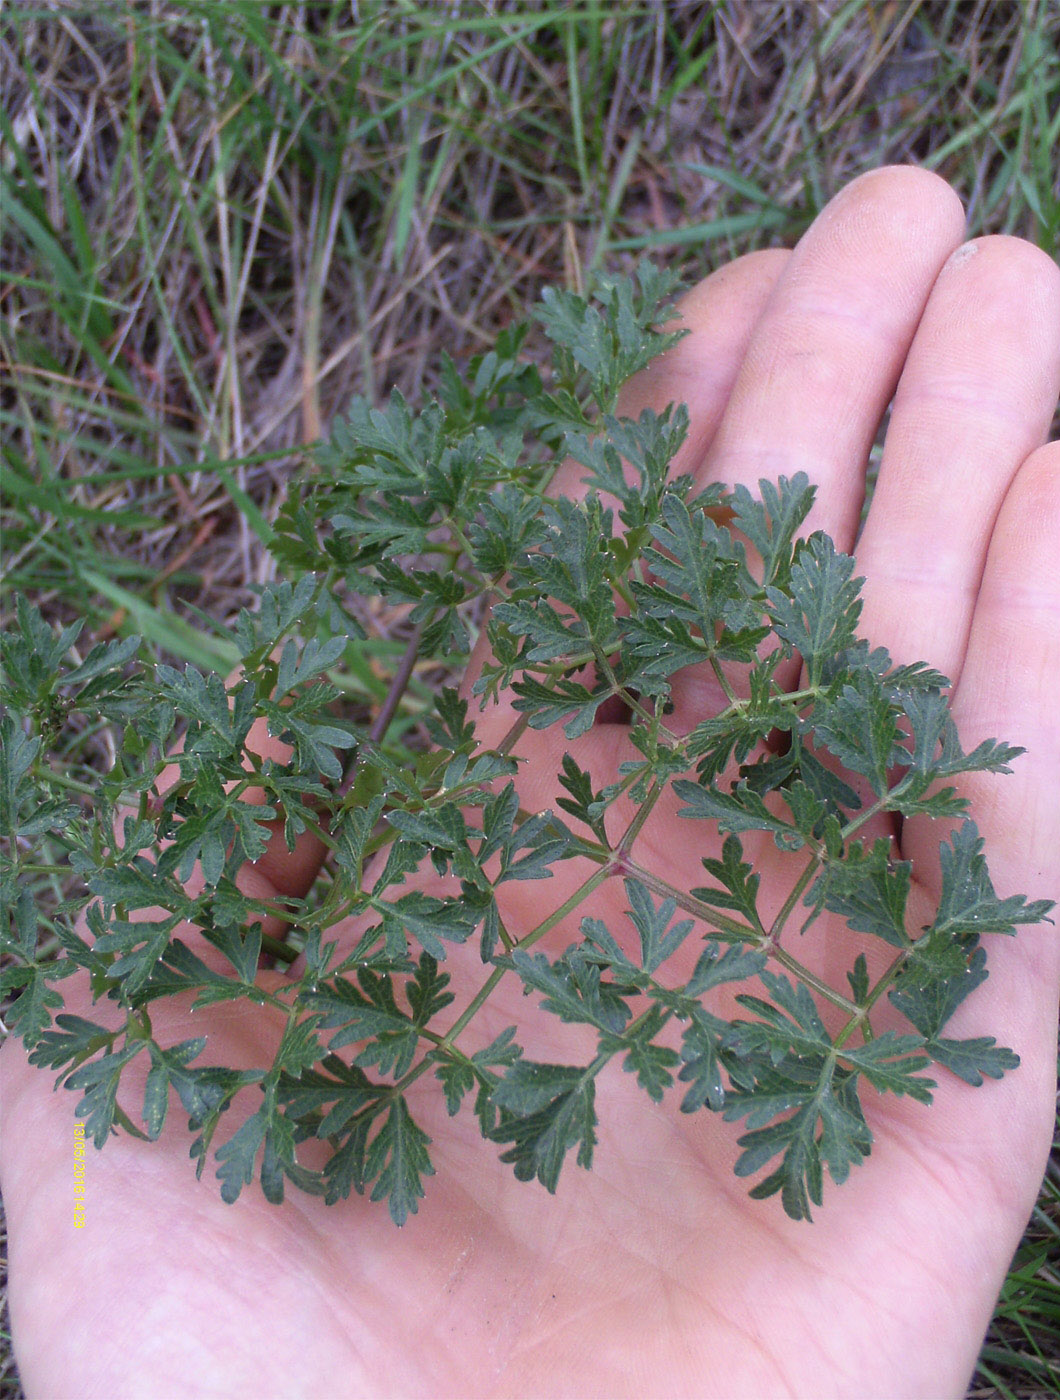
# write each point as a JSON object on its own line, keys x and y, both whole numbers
{"x": 79, "y": 1176}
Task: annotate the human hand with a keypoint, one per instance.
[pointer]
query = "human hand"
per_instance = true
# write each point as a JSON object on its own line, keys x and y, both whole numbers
{"x": 654, "y": 1274}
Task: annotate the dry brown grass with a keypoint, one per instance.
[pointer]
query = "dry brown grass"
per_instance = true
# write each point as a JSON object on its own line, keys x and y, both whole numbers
{"x": 266, "y": 246}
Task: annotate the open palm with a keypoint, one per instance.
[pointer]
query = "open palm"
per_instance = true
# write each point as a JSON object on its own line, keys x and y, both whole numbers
{"x": 655, "y": 1275}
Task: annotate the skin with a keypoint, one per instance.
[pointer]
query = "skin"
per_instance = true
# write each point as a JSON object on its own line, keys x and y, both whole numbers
{"x": 654, "y": 1274}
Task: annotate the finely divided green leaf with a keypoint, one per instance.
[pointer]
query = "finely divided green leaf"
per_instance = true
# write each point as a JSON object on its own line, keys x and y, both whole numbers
{"x": 546, "y": 1110}
{"x": 771, "y": 519}
{"x": 397, "y": 1161}
{"x": 869, "y": 889}
{"x": 737, "y": 887}
{"x": 818, "y": 617}
{"x": 658, "y": 941}
{"x": 937, "y": 977}
{"x": 740, "y": 810}
{"x": 861, "y": 728}
{"x": 974, "y": 1059}
{"x": 968, "y": 903}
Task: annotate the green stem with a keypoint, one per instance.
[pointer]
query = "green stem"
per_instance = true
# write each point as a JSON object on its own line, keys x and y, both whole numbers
{"x": 723, "y": 681}
{"x": 860, "y": 1015}
{"x": 811, "y": 980}
{"x": 514, "y": 734}
{"x": 44, "y": 774}
{"x": 789, "y": 904}
{"x": 880, "y": 805}
{"x": 505, "y": 937}
{"x": 26, "y": 869}
{"x": 458, "y": 535}
{"x": 276, "y": 948}
{"x": 627, "y": 698}
{"x": 485, "y": 991}
{"x": 624, "y": 592}
{"x": 744, "y": 934}
{"x": 719, "y": 923}
{"x": 584, "y": 890}
{"x": 473, "y": 1007}
{"x": 635, "y": 827}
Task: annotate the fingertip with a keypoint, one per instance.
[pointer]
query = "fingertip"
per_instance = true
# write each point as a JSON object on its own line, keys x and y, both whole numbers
{"x": 911, "y": 192}
{"x": 899, "y": 216}
{"x": 1008, "y": 685}
{"x": 752, "y": 276}
{"x": 1011, "y": 270}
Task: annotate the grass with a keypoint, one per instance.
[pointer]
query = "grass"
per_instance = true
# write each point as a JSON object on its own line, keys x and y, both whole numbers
{"x": 223, "y": 221}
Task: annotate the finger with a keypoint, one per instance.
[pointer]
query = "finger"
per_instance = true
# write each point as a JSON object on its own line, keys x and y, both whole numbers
{"x": 976, "y": 397}
{"x": 824, "y": 360}
{"x": 1008, "y": 689}
{"x": 720, "y": 314}
{"x": 828, "y": 349}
